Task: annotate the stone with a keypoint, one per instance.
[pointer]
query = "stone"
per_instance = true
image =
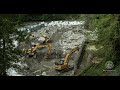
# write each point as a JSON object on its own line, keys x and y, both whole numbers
{"x": 109, "y": 65}
{"x": 44, "y": 74}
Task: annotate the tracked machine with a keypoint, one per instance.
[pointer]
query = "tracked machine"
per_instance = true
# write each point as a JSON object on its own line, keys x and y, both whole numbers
{"x": 62, "y": 65}
{"x": 32, "y": 51}
{"x": 46, "y": 44}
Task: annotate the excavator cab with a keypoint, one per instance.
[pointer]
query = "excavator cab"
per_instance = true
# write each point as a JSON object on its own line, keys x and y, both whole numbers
{"x": 63, "y": 64}
{"x": 30, "y": 52}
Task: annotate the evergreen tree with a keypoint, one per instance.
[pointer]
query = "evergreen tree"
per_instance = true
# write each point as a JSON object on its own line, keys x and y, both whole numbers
{"x": 8, "y": 33}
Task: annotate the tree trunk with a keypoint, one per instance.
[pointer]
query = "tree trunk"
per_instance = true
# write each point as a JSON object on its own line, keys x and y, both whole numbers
{"x": 80, "y": 57}
{"x": 4, "y": 59}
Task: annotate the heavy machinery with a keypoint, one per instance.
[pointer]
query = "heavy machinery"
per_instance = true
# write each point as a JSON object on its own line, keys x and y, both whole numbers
{"x": 63, "y": 64}
{"x": 32, "y": 51}
{"x": 47, "y": 39}
{"x": 46, "y": 43}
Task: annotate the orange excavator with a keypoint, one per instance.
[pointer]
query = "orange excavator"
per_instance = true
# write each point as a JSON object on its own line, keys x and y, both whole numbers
{"x": 63, "y": 64}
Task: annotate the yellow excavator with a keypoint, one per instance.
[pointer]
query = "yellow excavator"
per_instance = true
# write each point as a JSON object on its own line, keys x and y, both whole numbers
{"x": 32, "y": 51}
{"x": 46, "y": 44}
{"x": 63, "y": 65}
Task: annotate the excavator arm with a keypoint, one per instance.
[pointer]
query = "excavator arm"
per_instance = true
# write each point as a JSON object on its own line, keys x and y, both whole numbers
{"x": 32, "y": 51}
{"x": 64, "y": 65}
{"x": 48, "y": 45}
{"x": 68, "y": 56}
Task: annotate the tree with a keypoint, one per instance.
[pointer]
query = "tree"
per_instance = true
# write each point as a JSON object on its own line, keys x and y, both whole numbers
{"x": 9, "y": 33}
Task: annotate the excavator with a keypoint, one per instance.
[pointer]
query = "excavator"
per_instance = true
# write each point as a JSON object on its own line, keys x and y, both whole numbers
{"x": 47, "y": 39}
{"x": 32, "y": 51}
{"x": 63, "y": 64}
{"x": 46, "y": 44}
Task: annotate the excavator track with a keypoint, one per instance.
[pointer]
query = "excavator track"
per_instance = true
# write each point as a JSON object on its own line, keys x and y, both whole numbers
{"x": 66, "y": 69}
{"x": 63, "y": 67}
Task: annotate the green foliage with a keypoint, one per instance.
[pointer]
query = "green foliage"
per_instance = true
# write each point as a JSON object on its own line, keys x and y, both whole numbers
{"x": 8, "y": 32}
{"x": 108, "y": 31}
{"x": 95, "y": 70}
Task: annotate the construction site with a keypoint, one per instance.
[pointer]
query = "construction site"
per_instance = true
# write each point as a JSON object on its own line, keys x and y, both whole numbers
{"x": 60, "y": 45}
{"x": 53, "y": 48}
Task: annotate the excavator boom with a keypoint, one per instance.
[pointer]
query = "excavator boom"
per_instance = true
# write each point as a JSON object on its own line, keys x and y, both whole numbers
{"x": 62, "y": 66}
{"x": 32, "y": 51}
{"x": 67, "y": 58}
